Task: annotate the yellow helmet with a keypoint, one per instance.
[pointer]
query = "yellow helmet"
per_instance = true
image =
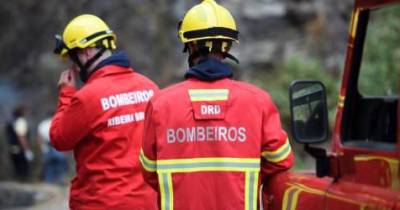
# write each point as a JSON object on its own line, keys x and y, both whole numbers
{"x": 208, "y": 20}
{"x": 85, "y": 31}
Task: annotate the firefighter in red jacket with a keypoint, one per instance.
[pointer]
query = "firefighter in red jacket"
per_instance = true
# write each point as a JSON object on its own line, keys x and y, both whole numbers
{"x": 210, "y": 141}
{"x": 103, "y": 121}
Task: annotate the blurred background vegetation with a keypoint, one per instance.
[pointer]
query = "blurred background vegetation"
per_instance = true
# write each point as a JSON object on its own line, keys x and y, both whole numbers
{"x": 281, "y": 41}
{"x": 381, "y": 59}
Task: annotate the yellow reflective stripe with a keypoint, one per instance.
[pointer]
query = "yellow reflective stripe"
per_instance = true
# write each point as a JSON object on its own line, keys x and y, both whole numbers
{"x": 250, "y": 166}
{"x": 341, "y": 101}
{"x": 166, "y": 191}
{"x": 169, "y": 193}
{"x": 162, "y": 191}
{"x": 354, "y": 23}
{"x": 290, "y": 198}
{"x": 393, "y": 166}
{"x": 246, "y": 191}
{"x": 255, "y": 190}
{"x": 278, "y": 155}
{"x": 251, "y": 187}
{"x": 208, "y": 164}
{"x": 204, "y": 169}
{"x": 285, "y": 198}
{"x": 148, "y": 165}
{"x": 295, "y": 199}
{"x": 208, "y": 94}
{"x": 210, "y": 159}
{"x": 200, "y": 164}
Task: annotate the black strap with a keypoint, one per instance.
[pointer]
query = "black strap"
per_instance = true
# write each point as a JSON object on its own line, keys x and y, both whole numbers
{"x": 73, "y": 54}
{"x": 100, "y": 33}
{"x": 197, "y": 54}
{"x": 210, "y": 32}
{"x": 192, "y": 57}
{"x": 230, "y": 56}
{"x": 204, "y": 51}
{"x": 83, "y": 73}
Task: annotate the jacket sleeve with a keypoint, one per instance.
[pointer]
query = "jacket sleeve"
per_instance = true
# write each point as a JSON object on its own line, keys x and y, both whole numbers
{"x": 70, "y": 124}
{"x": 148, "y": 155}
{"x": 276, "y": 151}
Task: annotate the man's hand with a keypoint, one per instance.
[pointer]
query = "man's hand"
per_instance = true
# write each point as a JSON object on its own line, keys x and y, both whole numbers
{"x": 68, "y": 77}
{"x": 29, "y": 155}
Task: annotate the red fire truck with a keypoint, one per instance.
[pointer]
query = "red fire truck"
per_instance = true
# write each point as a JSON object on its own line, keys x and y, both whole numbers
{"x": 362, "y": 169}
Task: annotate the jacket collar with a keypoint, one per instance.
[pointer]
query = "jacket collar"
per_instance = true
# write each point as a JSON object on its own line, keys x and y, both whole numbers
{"x": 209, "y": 69}
{"x": 109, "y": 70}
{"x": 118, "y": 59}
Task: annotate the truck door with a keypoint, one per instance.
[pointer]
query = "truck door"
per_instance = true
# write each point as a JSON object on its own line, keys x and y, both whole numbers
{"x": 367, "y": 122}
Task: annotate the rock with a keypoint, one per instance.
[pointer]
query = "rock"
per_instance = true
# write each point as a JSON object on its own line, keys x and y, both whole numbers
{"x": 260, "y": 10}
{"x": 32, "y": 196}
{"x": 15, "y": 195}
{"x": 301, "y": 13}
{"x": 259, "y": 53}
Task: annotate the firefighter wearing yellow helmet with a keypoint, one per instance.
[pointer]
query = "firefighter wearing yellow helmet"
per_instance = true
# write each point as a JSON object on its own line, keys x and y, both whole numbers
{"x": 208, "y": 28}
{"x": 102, "y": 121}
{"x": 208, "y": 139}
{"x": 85, "y": 31}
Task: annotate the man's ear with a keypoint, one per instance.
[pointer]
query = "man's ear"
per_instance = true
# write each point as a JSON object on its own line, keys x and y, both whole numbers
{"x": 87, "y": 52}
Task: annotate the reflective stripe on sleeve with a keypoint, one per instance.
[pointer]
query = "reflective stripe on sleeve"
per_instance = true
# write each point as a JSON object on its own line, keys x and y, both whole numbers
{"x": 208, "y": 94}
{"x": 278, "y": 155}
{"x": 148, "y": 165}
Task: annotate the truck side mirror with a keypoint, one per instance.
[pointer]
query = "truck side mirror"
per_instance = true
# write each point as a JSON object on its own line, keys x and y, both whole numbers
{"x": 309, "y": 115}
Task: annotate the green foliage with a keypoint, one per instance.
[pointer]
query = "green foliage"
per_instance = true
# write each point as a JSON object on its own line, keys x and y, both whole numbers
{"x": 297, "y": 68}
{"x": 381, "y": 58}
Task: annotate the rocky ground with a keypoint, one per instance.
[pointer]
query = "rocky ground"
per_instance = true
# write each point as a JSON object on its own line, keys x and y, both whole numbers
{"x": 38, "y": 196}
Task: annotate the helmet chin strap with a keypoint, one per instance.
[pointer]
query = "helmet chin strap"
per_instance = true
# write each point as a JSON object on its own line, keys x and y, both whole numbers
{"x": 230, "y": 56}
{"x": 204, "y": 52}
{"x": 84, "y": 73}
{"x": 193, "y": 57}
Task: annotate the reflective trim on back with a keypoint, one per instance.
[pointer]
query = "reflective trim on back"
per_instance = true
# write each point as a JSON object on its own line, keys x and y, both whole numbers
{"x": 250, "y": 167}
{"x": 251, "y": 187}
{"x": 208, "y": 94}
{"x": 166, "y": 191}
{"x": 209, "y": 104}
{"x": 208, "y": 164}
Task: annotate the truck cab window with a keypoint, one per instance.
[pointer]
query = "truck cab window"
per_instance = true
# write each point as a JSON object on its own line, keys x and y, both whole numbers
{"x": 371, "y": 111}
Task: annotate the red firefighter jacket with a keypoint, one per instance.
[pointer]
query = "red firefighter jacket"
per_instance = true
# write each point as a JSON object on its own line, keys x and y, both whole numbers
{"x": 103, "y": 124}
{"x": 206, "y": 144}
